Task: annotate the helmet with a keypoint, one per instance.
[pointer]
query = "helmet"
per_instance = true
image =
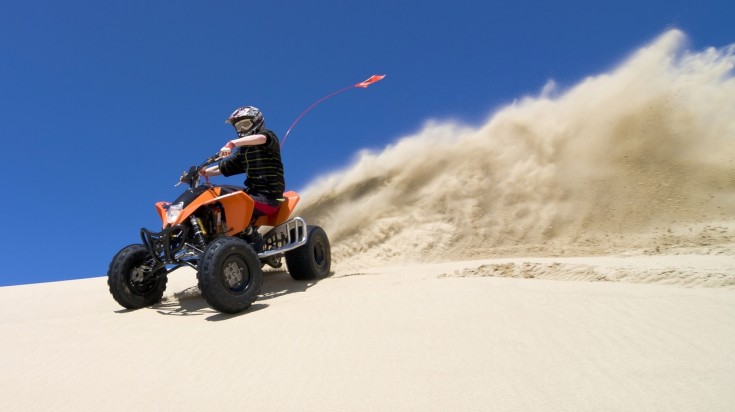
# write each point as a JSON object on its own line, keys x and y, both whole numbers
{"x": 246, "y": 120}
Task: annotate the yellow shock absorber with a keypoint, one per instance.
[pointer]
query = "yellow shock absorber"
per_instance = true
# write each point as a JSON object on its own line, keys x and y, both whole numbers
{"x": 201, "y": 226}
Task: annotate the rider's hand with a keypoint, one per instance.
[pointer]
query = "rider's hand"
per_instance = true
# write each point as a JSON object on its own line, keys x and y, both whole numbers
{"x": 226, "y": 150}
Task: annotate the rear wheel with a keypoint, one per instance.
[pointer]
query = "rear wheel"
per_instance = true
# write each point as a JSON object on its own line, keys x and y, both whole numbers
{"x": 132, "y": 282}
{"x": 229, "y": 275}
{"x": 312, "y": 260}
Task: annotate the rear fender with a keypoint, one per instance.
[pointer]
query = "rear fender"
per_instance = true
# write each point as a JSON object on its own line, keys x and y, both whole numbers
{"x": 283, "y": 213}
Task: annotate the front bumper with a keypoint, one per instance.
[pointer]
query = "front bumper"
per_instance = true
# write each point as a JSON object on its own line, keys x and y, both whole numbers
{"x": 164, "y": 246}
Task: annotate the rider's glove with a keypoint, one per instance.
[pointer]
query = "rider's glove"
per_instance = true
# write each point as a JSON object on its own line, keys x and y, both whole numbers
{"x": 226, "y": 150}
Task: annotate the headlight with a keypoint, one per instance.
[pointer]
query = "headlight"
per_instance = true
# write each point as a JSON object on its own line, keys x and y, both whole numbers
{"x": 173, "y": 212}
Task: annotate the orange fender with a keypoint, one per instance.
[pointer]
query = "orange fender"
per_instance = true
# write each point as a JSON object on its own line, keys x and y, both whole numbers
{"x": 161, "y": 209}
{"x": 283, "y": 213}
{"x": 238, "y": 210}
{"x": 204, "y": 198}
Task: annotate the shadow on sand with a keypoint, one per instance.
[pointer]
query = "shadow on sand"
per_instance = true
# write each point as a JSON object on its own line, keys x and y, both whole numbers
{"x": 189, "y": 302}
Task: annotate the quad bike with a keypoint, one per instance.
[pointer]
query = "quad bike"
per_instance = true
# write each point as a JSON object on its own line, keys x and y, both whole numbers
{"x": 211, "y": 229}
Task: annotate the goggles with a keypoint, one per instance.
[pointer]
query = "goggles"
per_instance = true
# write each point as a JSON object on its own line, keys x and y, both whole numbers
{"x": 244, "y": 125}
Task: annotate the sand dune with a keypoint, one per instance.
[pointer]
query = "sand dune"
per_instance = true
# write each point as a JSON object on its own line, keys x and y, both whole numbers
{"x": 420, "y": 337}
{"x": 576, "y": 252}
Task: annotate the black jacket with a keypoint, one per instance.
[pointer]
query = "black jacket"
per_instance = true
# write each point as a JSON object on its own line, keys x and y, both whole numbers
{"x": 262, "y": 164}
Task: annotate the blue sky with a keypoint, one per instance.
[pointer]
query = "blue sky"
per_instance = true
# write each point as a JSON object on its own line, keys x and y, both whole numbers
{"x": 103, "y": 104}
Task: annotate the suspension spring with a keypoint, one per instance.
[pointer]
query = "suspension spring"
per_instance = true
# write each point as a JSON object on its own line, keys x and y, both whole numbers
{"x": 198, "y": 235}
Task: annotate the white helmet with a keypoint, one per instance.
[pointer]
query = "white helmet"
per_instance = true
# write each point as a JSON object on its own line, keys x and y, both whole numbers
{"x": 246, "y": 120}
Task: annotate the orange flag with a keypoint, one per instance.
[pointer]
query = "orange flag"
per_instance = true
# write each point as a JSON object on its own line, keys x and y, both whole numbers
{"x": 374, "y": 78}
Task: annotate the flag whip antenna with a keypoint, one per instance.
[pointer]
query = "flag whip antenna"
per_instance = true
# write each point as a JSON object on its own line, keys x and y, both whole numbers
{"x": 364, "y": 84}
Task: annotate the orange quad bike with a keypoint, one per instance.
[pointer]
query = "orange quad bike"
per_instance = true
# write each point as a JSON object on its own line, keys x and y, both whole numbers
{"x": 211, "y": 229}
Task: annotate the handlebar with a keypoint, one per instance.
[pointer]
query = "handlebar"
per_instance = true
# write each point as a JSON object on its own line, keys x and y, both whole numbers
{"x": 191, "y": 176}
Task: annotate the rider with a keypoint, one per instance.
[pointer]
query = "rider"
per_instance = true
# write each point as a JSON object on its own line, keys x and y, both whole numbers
{"x": 258, "y": 155}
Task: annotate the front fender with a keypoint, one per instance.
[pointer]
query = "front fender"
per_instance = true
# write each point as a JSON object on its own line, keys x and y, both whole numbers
{"x": 161, "y": 209}
{"x": 238, "y": 210}
{"x": 204, "y": 198}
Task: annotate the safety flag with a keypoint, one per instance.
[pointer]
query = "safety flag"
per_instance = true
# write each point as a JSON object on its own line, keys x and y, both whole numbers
{"x": 364, "y": 84}
{"x": 374, "y": 78}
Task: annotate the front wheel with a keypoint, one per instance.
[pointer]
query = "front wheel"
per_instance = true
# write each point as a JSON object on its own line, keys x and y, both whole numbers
{"x": 229, "y": 275}
{"x": 132, "y": 282}
{"x": 312, "y": 260}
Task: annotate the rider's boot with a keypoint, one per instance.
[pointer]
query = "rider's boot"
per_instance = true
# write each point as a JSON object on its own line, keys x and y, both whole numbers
{"x": 255, "y": 239}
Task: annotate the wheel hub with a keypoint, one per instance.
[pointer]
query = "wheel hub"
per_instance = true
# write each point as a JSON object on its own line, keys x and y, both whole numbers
{"x": 137, "y": 275}
{"x": 233, "y": 274}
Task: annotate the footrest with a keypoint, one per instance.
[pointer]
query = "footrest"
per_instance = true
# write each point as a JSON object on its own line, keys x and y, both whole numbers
{"x": 284, "y": 237}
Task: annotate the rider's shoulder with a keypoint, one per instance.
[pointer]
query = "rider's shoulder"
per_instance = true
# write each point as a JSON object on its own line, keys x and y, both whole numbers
{"x": 271, "y": 135}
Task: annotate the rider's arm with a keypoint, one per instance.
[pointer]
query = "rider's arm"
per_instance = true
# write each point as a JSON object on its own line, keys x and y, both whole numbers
{"x": 212, "y": 171}
{"x": 252, "y": 140}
